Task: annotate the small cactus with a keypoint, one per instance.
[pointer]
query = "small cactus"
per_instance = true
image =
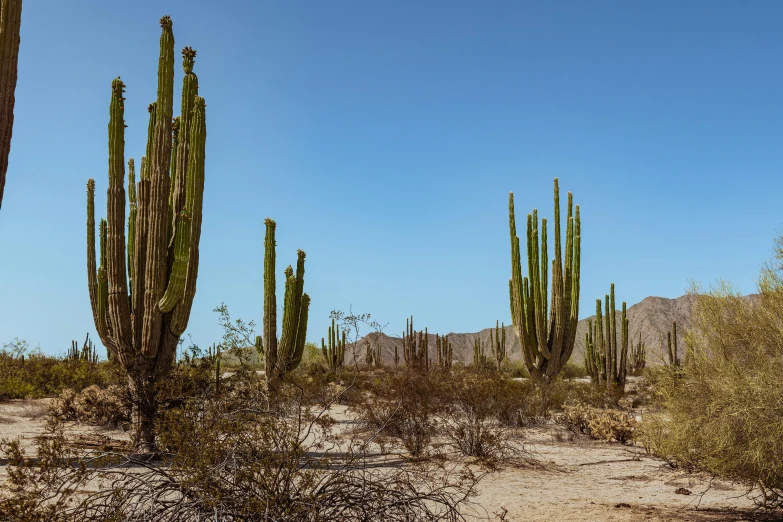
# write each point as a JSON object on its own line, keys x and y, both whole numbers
{"x": 334, "y": 352}
{"x": 498, "y": 343}
{"x": 444, "y": 351}
{"x": 283, "y": 355}
{"x": 605, "y": 360}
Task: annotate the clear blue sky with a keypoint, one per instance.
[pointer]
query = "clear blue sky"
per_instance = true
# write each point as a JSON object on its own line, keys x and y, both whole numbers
{"x": 384, "y": 137}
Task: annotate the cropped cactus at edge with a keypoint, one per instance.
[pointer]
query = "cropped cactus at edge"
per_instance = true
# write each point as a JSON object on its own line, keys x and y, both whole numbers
{"x": 11, "y": 18}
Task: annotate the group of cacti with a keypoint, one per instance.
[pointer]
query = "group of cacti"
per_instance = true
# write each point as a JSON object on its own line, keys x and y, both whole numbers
{"x": 605, "y": 359}
{"x": 213, "y": 358}
{"x": 444, "y": 350}
{"x": 415, "y": 347}
{"x": 674, "y": 356}
{"x": 87, "y": 353}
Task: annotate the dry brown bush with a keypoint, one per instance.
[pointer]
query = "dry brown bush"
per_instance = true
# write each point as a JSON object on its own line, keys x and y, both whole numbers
{"x": 93, "y": 405}
{"x": 598, "y": 423}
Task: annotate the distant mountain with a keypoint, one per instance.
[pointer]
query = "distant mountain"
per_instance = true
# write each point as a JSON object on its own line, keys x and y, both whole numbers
{"x": 652, "y": 317}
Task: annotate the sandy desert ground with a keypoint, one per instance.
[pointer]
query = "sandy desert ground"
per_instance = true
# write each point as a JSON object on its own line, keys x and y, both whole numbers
{"x": 578, "y": 479}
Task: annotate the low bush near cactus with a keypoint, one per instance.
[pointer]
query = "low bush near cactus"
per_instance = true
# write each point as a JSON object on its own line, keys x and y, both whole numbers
{"x": 403, "y": 405}
{"x": 602, "y": 424}
{"x": 93, "y": 405}
{"x": 723, "y": 407}
{"x": 230, "y": 458}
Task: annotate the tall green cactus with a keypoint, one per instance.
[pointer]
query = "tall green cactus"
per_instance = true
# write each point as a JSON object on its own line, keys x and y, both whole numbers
{"x": 605, "y": 360}
{"x": 141, "y": 323}
{"x": 415, "y": 348}
{"x": 10, "y": 24}
{"x": 547, "y": 343}
{"x": 283, "y": 355}
{"x": 498, "y": 343}
{"x": 334, "y": 352}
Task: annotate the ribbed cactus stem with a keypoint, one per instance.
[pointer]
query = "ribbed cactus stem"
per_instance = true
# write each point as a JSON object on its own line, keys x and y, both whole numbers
{"x": 605, "y": 358}
{"x": 547, "y": 332}
{"x": 140, "y": 324}
{"x": 10, "y": 24}
{"x": 334, "y": 352}
{"x": 282, "y": 355}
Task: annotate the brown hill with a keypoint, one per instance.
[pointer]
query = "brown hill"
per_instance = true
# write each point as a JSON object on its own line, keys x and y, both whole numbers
{"x": 652, "y": 317}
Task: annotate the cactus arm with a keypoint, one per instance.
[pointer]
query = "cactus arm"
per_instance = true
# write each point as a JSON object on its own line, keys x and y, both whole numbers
{"x": 133, "y": 204}
{"x": 194, "y": 207}
{"x": 181, "y": 152}
{"x": 299, "y": 345}
{"x": 116, "y": 271}
{"x": 270, "y": 300}
{"x": 157, "y": 245}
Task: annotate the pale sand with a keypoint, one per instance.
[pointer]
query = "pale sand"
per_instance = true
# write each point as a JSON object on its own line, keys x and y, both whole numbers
{"x": 578, "y": 479}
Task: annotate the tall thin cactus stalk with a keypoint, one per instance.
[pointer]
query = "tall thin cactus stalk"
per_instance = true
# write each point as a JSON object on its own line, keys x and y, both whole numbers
{"x": 10, "y": 25}
{"x": 480, "y": 361}
{"x": 141, "y": 300}
{"x": 674, "y": 357}
{"x": 334, "y": 351}
{"x": 605, "y": 359}
{"x": 547, "y": 343}
{"x": 283, "y": 355}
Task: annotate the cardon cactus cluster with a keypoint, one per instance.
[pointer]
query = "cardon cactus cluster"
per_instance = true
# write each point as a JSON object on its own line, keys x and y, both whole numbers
{"x": 10, "y": 24}
{"x": 637, "y": 357}
{"x": 445, "y": 351}
{"x": 547, "y": 335}
{"x": 480, "y": 360}
{"x": 283, "y": 355}
{"x": 605, "y": 359}
{"x": 141, "y": 298}
{"x": 415, "y": 349}
{"x": 334, "y": 352}
{"x": 87, "y": 353}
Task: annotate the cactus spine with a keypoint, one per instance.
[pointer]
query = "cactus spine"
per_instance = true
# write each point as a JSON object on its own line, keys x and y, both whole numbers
{"x": 605, "y": 360}
{"x": 445, "y": 351}
{"x": 498, "y": 343}
{"x": 334, "y": 352}
{"x": 415, "y": 347}
{"x": 10, "y": 23}
{"x": 140, "y": 324}
{"x": 547, "y": 344}
{"x": 283, "y": 355}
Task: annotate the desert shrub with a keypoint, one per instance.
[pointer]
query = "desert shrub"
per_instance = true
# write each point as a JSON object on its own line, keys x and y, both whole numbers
{"x": 229, "y": 458}
{"x": 473, "y": 405}
{"x": 572, "y": 370}
{"x": 402, "y": 405}
{"x": 93, "y": 405}
{"x": 723, "y": 407}
{"x": 26, "y": 373}
{"x": 598, "y": 423}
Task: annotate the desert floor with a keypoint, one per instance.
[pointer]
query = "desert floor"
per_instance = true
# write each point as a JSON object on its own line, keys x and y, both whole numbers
{"x": 576, "y": 478}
